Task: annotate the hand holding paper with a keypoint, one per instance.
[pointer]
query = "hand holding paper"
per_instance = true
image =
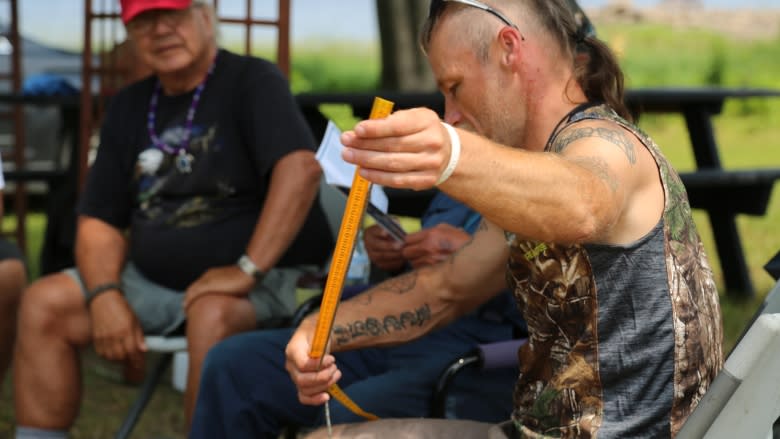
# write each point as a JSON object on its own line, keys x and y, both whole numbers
{"x": 340, "y": 173}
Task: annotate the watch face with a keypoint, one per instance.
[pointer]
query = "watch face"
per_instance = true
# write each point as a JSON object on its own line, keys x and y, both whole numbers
{"x": 247, "y": 266}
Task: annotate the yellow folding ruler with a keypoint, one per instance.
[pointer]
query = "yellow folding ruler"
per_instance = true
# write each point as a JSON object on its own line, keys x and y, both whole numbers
{"x": 345, "y": 243}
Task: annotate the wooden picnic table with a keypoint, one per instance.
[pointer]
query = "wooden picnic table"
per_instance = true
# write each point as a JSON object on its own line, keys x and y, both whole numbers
{"x": 721, "y": 192}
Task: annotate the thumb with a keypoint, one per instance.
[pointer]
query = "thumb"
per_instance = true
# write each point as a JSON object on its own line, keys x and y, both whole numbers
{"x": 140, "y": 339}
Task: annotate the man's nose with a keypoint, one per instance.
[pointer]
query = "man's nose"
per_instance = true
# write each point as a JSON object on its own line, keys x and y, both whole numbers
{"x": 162, "y": 23}
{"x": 451, "y": 114}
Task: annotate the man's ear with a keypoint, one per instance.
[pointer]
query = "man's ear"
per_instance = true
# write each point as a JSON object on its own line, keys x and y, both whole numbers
{"x": 509, "y": 40}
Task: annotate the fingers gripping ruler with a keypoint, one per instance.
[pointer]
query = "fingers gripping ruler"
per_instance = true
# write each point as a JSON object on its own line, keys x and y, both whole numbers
{"x": 345, "y": 243}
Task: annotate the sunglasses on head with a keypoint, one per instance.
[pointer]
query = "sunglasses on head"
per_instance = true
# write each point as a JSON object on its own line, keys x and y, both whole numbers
{"x": 437, "y": 7}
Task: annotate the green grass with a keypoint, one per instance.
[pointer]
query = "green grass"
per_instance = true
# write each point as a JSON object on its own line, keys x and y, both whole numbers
{"x": 652, "y": 56}
{"x": 106, "y": 402}
{"x": 36, "y": 225}
{"x": 335, "y": 68}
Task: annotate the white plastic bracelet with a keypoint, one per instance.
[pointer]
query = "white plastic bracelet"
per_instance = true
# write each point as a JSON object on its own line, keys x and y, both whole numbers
{"x": 454, "y": 153}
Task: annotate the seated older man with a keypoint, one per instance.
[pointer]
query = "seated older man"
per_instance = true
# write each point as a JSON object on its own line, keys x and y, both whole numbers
{"x": 200, "y": 207}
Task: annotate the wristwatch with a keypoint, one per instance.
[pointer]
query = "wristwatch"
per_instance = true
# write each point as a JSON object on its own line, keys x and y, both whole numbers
{"x": 247, "y": 266}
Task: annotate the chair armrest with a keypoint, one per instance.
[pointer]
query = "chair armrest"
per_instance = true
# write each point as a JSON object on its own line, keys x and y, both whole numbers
{"x": 500, "y": 354}
{"x": 163, "y": 343}
{"x": 488, "y": 356}
{"x": 305, "y": 308}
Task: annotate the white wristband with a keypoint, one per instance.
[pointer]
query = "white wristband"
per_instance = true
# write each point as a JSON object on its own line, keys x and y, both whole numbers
{"x": 454, "y": 153}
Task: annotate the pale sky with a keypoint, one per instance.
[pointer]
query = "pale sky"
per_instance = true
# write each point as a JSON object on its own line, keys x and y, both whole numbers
{"x": 59, "y": 22}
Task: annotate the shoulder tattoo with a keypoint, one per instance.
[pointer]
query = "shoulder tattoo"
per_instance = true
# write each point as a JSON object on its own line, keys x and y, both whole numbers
{"x": 615, "y": 136}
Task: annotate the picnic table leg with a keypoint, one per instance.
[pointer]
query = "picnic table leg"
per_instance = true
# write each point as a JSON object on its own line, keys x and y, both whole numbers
{"x": 724, "y": 227}
{"x": 732, "y": 258}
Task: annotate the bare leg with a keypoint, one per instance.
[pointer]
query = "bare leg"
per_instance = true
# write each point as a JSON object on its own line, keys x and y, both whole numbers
{"x": 210, "y": 319}
{"x": 53, "y": 324}
{"x": 13, "y": 278}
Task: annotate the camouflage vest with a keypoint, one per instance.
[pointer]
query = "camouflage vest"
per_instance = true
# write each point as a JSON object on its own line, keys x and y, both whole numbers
{"x": 610, "y": 352}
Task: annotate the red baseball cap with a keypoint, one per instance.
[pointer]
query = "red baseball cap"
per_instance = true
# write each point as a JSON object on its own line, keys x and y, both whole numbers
{"x": 131, "y": 8}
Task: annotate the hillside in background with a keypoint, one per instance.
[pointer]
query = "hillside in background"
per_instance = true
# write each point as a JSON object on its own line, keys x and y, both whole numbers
{"x": 738, "y": 23}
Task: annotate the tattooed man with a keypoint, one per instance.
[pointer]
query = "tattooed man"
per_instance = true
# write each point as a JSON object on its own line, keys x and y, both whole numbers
{"x": 246, "y": 391}
{"x": 583, "y": 216}
{"x": 199, "y": 215}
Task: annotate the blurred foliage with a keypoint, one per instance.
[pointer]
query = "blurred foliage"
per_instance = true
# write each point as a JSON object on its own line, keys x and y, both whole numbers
{"x": 335, "y": 68}
{"x": 330, "y": 66}
{"x": 654, "y": 55}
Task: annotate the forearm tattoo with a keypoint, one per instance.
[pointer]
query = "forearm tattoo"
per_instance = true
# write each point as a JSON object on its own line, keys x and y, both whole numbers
{"x": 480, "y": 228}
{"x": 373, "y": 327}
{"x": 617, "y": 137}
{"x": 400, "y": 284}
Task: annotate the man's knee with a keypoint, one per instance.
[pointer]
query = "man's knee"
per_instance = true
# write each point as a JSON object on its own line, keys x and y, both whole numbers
{"x": 49, "y": 303}
{"x": 219, "y": 316}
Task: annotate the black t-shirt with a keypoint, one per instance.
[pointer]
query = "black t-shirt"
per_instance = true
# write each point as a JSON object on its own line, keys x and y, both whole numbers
{"x": 180, "y": 224}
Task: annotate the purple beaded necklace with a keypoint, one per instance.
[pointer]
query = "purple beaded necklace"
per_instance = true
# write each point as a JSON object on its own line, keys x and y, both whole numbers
{"x": 183, "y": 158}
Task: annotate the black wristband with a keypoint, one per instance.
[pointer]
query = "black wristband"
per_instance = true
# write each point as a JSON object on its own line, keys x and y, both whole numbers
{"x": 102, "y": 288}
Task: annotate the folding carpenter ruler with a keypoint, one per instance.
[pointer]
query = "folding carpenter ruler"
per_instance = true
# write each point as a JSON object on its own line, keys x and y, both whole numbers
{"x": 345, "y": 243}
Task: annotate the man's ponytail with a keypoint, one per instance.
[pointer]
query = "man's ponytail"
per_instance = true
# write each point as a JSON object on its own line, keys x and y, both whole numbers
{"x": 596, "y": 68}
{"x": 599, "y": 74}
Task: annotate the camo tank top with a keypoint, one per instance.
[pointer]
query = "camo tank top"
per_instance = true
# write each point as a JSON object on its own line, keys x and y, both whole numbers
{"x": 624, "y": 340}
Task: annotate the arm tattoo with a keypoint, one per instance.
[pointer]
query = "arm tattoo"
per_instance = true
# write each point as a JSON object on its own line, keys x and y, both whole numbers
{"x": 615, "y": 136}
{"x": 400, "y": 284}
{"x": 451, "y": 258}
{"x": 373, "y": 327}
{"x": 600, "y": 168}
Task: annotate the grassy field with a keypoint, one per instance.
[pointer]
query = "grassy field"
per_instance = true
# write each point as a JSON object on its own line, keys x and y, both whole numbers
{"x": 748, "y": 133}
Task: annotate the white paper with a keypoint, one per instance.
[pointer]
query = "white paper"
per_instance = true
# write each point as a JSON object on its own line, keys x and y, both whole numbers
{"x": 340, "y": 173}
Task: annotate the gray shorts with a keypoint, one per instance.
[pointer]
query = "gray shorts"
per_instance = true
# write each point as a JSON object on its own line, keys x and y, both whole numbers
{"x": 9, "y": 250}
{"x": 160, "y": 310}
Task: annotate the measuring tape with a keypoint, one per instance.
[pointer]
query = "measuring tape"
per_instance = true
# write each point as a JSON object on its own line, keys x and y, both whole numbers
{"x": 345, "y": 243}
